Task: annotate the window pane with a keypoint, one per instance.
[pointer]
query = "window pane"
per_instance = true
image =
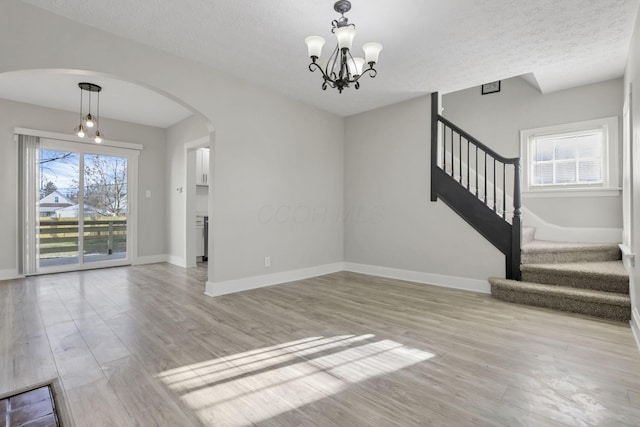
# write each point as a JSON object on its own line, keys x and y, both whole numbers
{"x": 543, "y": 150}
{"x": 565, "y": 172}
{"x": 565, "y": 149}
{"x": 590, "y": 171}
{"x": 58, "y": 208}
{"x": 105, "y": 208}
{"x": 542, "y": 174}
{"x": 589, "y": 145}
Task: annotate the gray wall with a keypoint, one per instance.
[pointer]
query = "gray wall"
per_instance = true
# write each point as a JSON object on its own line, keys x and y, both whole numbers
{"x": 632, "y": 78}
{"x": 269, "y": 150}
{"x": 497, "y": 119}
{"x": 151, "y": 224}
{"x": 389, "y": 220}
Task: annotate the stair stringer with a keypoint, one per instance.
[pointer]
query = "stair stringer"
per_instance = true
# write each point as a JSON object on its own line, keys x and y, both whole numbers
{"x": 477, "y": 214}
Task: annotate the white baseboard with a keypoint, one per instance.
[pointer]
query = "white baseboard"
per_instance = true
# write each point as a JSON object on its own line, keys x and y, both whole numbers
{"x": 10, "y": 274}
{"x": 454, "y": 282}
{"x": 214, "y": 289}
{"x": 150, "y": 259}
{"x": 635, "y": 325}
{"x": 176, "y": 260}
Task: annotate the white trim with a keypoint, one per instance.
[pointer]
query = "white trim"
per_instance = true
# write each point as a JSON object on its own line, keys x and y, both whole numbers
{"x": 74, "y": 138}
{"x": 69, "y": 268}
{"x": 214, "y": 289}
{"x": 176, "y": 260}
{"x": 464, "y": 283}
{"x": 547, "y": 231}
{"x": 150, "y": 259}
{"x": 635, "y": 326}
{"x": 573, "y": 192}
{"x": 628, "y": 257}
{"x": 10, "y": 274}
{"x": 133, "y": 204}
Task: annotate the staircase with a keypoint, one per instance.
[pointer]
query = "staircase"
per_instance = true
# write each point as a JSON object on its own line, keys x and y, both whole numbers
{"x": 476, "y": 182}
{"x": 585, "y": 278}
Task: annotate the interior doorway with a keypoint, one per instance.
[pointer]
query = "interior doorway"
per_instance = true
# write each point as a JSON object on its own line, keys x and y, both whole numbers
{"x": 198, "y": 181}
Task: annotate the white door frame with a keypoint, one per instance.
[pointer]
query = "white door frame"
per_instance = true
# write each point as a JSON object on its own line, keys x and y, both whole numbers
{"x": 190, "y": 198}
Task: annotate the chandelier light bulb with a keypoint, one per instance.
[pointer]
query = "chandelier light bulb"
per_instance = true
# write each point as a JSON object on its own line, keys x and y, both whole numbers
{"x": 80, "y": 131}
{"x": 98, "y": 139}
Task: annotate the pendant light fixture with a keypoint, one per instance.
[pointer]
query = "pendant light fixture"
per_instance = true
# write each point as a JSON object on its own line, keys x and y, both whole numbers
{"x": 89, "y": 121}
{"x": 342, "y": 69}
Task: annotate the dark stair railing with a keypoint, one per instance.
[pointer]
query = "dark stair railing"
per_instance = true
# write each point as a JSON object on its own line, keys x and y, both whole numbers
{"x": 471, "y": 179}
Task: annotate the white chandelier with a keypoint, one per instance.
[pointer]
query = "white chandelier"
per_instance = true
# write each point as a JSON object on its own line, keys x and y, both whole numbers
{"x": 88, "y": 122}
{"x": 342, "y": 69}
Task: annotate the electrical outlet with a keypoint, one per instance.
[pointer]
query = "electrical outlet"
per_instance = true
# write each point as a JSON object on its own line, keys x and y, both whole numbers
{"x": 267, "y": 261}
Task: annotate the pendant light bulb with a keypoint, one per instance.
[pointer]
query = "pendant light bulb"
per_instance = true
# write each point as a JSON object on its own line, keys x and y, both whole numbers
{"x": 89, "y": 121}
{"x": 80, "y": 131}
{"x": 98, "y": 139}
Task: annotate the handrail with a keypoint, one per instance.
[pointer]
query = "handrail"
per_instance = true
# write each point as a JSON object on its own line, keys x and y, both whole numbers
{"x": 475, "y": 141}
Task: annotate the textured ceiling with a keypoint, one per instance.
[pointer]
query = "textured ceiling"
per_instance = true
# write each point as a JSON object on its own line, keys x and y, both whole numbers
{"x": 429, "y": 45}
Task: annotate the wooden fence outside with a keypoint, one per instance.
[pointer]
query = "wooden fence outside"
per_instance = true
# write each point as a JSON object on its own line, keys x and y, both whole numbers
{"x": 101, "y": 236}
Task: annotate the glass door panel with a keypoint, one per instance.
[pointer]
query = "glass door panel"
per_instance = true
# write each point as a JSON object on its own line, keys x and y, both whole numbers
{"x": 105, "y": 208}
{"x": 58, "y": 230}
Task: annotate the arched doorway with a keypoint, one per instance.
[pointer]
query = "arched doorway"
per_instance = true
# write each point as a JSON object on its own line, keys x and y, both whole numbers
{"x": 145, "y": 113}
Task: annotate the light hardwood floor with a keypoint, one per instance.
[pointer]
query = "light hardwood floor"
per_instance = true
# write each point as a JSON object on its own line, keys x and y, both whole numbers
{"x": 144, "y": 346}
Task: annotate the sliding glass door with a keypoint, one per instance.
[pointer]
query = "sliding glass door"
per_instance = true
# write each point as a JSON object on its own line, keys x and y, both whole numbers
{"x": 83, "y": 207}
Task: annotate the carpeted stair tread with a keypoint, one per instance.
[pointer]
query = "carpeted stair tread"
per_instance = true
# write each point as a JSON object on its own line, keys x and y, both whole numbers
{"x": 550, "y": 252}
{"x": 608, "y": 305}
{"x": 609, "y": 276}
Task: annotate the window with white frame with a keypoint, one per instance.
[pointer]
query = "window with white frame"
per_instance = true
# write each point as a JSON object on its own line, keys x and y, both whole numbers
{"x": 572, "y": 157}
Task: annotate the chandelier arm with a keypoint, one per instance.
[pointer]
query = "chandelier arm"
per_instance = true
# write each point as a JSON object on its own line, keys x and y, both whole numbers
{"x": 334, "y": 58}
{"x": 317, "y": 67}
{"x": 372, "y": 73}
{"x": 354, "y": 67}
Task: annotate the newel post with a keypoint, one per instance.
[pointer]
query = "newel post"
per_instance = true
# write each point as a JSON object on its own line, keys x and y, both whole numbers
{"x": 435, "y": 109}
{"x": 516, "y": 232}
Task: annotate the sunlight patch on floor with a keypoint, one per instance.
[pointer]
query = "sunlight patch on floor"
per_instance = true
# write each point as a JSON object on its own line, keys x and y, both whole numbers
{"x": 259, "y": 384}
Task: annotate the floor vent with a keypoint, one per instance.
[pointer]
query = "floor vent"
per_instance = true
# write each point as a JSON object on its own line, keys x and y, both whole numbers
{"x": 29, "y": 409}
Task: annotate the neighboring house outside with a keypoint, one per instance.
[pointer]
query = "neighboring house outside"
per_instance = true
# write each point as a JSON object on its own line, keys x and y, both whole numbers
{"x": 55, "y": 205}
{"x": 72, "y": 212}
{"x": 53, "y": 202}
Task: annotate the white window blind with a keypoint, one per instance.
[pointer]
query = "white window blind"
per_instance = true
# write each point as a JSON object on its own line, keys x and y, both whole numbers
{"x": 574, "y": 158}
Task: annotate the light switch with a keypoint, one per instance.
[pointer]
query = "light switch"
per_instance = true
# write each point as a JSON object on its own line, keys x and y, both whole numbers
{"x": 148, "y": 194}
